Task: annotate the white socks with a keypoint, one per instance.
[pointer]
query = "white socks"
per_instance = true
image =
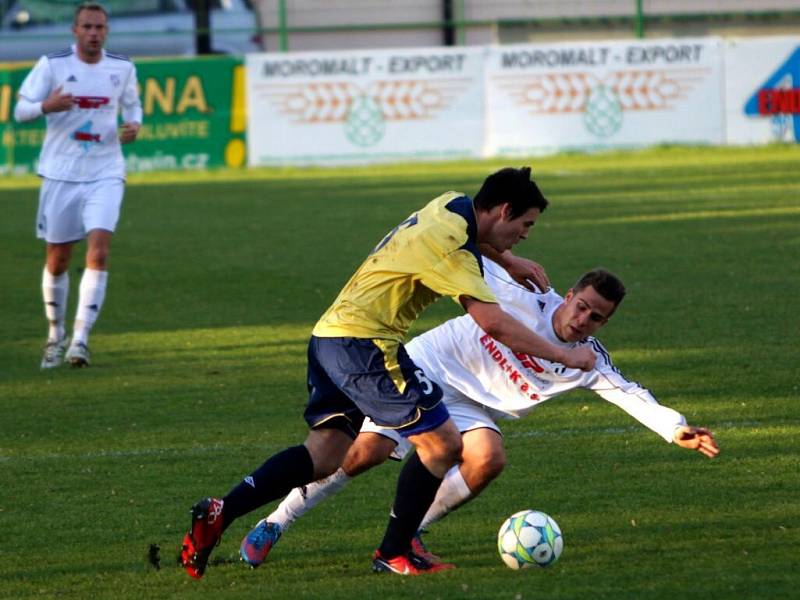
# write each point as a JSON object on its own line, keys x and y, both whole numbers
{"x": 90, "y": 301}
{"x": 301, "y": 500}
{"x": 55, "y": 290}
{"x": 453, "y": 492}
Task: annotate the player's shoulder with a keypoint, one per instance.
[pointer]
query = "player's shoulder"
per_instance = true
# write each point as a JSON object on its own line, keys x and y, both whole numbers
{"x": 603, "y": 357}
{"x": 60, "y": 54}
{"x": 452, "y": 213}
{"x": 119, "y": 57}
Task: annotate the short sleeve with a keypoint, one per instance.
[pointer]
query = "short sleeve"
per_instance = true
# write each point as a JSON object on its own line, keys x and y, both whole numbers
{"x": 458, "y": 274}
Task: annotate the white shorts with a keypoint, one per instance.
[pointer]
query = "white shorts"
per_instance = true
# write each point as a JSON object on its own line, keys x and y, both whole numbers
{"x": 68, "y": 210}
{"x": 465, "y": 412}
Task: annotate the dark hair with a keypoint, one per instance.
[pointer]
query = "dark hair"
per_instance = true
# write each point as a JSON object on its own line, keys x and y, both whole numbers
{"x": 608, "y": 285}
{"x": 89, "y": 6}
{"x": 513, "y": 186}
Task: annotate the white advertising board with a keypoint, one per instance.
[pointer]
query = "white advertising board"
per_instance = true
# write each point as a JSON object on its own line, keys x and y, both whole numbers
{"x": 361, "y": 107}
{"x": 586, "y": 95}
{"x": 762, "y": 90}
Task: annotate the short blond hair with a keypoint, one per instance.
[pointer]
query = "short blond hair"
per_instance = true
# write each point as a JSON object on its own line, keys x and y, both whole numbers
{"x": 89, "y": 6}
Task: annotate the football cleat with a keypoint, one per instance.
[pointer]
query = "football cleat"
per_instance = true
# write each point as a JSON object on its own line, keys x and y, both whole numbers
{"x": 204, "y": 534}
{"x": 257, "y": 544}
{"x": 78, "y": 355}
{"x": 54, "y": 353}
{"x": 406, "y": 564}
{"x": 418, "y": 547}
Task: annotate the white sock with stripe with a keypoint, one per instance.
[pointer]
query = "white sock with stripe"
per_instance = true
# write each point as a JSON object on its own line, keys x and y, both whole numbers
{"x": 453, "y": 492}
{"x": 301, "y": 500}
{"x": 55, "y": 291}
{"x": 90, "y": 301}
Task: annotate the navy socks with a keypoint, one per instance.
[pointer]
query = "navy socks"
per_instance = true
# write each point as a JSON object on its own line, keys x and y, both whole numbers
{"x": 274, "y": 479}
{"x": 416, "y": 489}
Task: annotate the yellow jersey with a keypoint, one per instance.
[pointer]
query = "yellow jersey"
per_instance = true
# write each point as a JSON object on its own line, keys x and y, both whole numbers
{"x": 433, "y": 253}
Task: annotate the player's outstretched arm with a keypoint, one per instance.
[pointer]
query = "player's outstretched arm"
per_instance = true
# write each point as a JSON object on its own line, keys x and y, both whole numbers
{"x": 696, "y": 438}
{"x": 524, "y": 271}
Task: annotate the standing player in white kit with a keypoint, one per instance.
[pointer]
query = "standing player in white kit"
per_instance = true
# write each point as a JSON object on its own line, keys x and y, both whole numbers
{"x": 80, "y": 91}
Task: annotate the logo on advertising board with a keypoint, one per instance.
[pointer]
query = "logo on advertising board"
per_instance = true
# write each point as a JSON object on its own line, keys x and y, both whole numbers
{"x": 364, "y": 110}
{"x": 601, "y": 82}
{"x": 603, "y": 100}
{"x": 778, "y": 99}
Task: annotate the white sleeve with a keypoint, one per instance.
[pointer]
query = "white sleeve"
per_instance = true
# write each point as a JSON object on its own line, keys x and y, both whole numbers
{"x": 34, "y": 90}
{"x": 131, "y": 105}
{"x": 631, "y": 397}
{"x": 513, "y": 297}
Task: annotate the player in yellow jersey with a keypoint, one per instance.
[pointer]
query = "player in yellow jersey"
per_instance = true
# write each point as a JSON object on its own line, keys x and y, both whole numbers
{"x": 357, "y": 365}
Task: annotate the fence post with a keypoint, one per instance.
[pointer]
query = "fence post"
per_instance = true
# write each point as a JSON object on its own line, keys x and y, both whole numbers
{"x": 639, "y": 21}
{"x": 461, "y": 35}
{"x": 283, "y": 35}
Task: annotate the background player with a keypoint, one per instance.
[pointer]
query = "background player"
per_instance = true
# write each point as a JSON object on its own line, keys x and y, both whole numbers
{"x": 81, "y": 91}
{"x": 484, "y": 381}
{"x": 358, "y": 366}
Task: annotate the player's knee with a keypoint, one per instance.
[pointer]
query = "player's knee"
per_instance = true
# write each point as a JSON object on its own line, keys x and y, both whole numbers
{"x": 327, "y": 449}
{"x": 58, "y": 256}
{"x": 57, "y": 265}
{"x": 492, "y": 464}
{"x": 450, "y": 449}
{"x": 97, "y": 259}
{"x": 365, "y": 455}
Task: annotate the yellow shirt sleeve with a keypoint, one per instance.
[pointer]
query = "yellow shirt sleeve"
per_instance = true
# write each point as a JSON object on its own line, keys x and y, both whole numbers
{"x": 458, "y": 274}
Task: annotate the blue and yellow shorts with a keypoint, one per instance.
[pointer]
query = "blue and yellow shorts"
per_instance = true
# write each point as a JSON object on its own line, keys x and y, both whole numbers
{"x": 352, "y": 377}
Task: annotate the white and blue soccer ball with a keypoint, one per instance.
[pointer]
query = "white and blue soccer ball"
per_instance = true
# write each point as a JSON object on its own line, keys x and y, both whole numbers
{"x": 528, "y": 538}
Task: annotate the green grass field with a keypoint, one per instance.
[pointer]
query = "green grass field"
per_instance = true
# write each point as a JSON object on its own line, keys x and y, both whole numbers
{"x": 215, "y": 282}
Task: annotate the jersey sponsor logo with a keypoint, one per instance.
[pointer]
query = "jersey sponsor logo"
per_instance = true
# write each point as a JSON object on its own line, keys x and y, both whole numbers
{"x": 508, "y": 369}
{"x": 526, "y": 360}
{"x": 72, "y": 78}
{"x": 91, "y": 101}
{"x": 85, "y": 137}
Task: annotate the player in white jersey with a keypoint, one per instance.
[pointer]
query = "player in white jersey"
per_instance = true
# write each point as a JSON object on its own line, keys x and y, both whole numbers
{"x": 484, "y": 381}
{"x": 81, "y": 92}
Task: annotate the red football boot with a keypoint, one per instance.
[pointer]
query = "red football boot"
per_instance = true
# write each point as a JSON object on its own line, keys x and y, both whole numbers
{"x": 406, "y": 564}
{"x": 204, "y": 534}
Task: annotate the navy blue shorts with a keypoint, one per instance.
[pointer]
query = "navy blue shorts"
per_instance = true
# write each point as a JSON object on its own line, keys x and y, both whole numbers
{"x": 352, "y": 377}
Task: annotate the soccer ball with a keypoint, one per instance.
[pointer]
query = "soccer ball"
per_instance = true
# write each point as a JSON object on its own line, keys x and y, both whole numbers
{"x": 528, "y": 538}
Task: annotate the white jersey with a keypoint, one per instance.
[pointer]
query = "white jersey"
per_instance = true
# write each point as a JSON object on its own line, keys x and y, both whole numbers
{"x": 460, "y": 355}
{"x": 82, "y": 144}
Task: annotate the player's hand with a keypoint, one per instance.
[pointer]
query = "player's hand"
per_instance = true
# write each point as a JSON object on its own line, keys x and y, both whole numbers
{"x": 526, "y": 272}
{"x": 581, "y": 357}
{"x": 128, "y": 132}
{"x": 696, "y": 438}
{"x": 57, "y": 101}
